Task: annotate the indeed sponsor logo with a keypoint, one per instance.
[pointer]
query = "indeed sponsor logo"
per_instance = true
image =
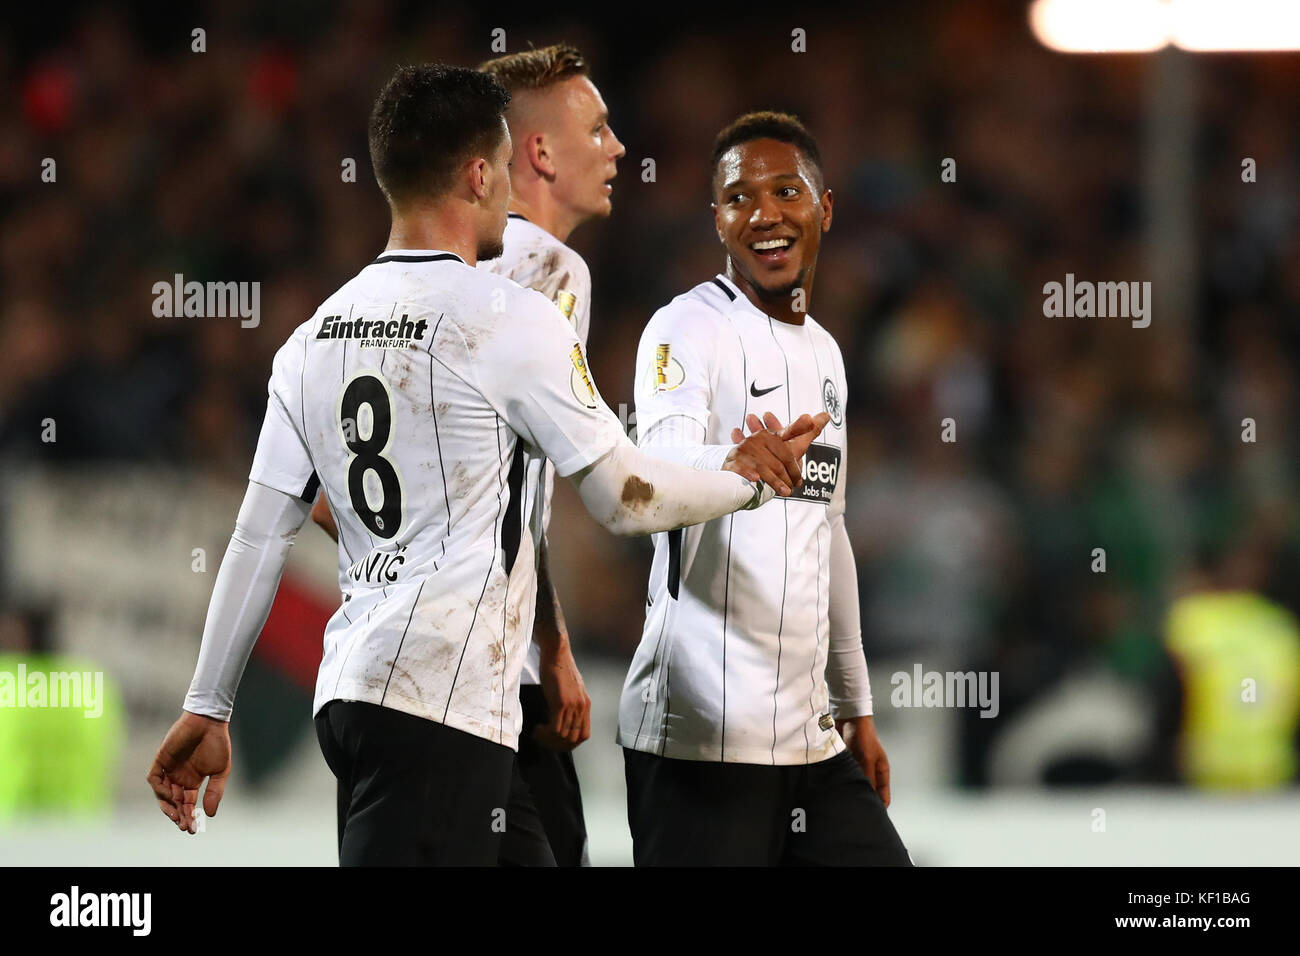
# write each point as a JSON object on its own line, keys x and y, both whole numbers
{"x": 821, "y": 471}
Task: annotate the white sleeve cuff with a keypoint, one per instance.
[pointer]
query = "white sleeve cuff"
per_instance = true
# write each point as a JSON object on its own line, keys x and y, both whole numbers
{"x": 851, "y": 687}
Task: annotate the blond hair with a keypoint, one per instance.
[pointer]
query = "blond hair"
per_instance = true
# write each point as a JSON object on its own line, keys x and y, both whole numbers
{"x": 536, "y": 69}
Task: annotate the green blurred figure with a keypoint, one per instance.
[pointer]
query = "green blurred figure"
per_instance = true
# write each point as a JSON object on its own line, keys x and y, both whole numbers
{"x": 61, "y": 727}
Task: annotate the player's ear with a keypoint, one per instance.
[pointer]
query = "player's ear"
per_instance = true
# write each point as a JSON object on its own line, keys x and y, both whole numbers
{"x": 539, "y": 156}
{"x": 717, "y": 222}
{"x": 828, "y": 201}
{"x": 477, "y": 175}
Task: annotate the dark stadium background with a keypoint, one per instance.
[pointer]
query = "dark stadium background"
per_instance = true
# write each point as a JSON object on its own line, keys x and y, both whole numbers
{"x": 1072, "y": 433}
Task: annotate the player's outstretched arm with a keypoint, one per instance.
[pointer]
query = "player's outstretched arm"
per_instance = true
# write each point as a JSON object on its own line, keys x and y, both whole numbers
{"x": 538, "y": 380}
{"x": 198, "y": 744}
{"x": 768, "y": 455}
{"x": 632, "y": 492}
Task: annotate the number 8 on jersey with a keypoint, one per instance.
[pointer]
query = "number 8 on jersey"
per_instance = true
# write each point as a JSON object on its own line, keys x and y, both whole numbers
{"x": 367, "y": 438}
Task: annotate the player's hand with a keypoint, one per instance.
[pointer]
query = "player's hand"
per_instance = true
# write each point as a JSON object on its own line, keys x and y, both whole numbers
{"x": 860, "y": 738}
{"x": 195, "y": 748}
{"x": 772, "y": 452}
{"x": 566, "y": 701}
{"x": 320, "y": 513}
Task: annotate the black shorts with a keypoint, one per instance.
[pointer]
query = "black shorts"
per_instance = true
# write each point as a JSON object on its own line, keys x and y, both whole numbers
{"x": 706, "y": 813}
{"x": 412, "y": 792}
{"x": 544, "y": 824}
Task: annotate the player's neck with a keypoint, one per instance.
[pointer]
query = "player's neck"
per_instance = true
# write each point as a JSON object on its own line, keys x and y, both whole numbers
{"x": 544, "y": 214}
{"x": 434, "y": 229}
{"x": 783, "y": 307}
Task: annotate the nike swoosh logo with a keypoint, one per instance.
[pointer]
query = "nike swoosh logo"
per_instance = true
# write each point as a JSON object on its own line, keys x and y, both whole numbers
{"x": 760, "y": 392}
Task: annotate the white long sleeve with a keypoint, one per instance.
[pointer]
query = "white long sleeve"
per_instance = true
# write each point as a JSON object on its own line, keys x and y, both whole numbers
{"x": 680, "y": 438}
{"x": 631, "y": 492}
{"x": 246, "y": 583}
{"x": 846, "y": 663}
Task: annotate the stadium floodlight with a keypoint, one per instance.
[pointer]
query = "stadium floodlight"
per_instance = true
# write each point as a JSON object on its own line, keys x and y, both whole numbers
{"x": 1100, "y": 26}
{"x": 1236, "y": 25}
{"x": 1142, "y": 26}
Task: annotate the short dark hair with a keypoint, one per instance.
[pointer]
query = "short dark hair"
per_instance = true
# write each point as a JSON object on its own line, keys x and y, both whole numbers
{"x": 537, "y": 69}
{"x": 428, "y": 121}
{"x": 767, "y": 124}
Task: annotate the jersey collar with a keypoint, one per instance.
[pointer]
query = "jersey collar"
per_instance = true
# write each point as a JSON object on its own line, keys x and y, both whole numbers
{"x": 729, "y": 288}
{"x": 741, "y": 301}
{"x": 418, "y": 255}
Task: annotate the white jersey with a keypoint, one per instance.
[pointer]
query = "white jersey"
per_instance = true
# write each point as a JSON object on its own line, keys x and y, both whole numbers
{"x": 537, "y": 260}
{"x": 409, "y": 398}
{"x": 732, "y": 660}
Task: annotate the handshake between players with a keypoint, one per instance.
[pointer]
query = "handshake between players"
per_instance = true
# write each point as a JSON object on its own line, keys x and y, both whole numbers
{"x": 773, "y": 454}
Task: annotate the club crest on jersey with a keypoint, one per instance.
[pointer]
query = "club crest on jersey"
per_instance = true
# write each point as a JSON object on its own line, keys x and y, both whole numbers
{"x": 831, "y": 399}
{"x": 565, "y": 301}
{"x": 667, "y": 372}
{"x": 584, "y": 390}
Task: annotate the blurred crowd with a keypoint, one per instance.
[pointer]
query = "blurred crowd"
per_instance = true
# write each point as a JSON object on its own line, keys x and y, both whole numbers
{"x": 1072, "y": 434}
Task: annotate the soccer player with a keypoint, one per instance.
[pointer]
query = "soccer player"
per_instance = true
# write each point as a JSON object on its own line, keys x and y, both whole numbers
{"x": 565, "y": 154}
{"x": 407, "y": 398}
{"x": 746, "y": 714}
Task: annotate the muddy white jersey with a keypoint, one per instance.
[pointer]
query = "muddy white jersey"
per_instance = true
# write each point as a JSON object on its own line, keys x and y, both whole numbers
{"x": 732, "y": 659}
{"x": 410, "y": 398}
{"x": 537, "y": 260}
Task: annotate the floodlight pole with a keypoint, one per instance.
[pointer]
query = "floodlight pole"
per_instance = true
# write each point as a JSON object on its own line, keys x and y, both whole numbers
{"x": 1169, "y": 175}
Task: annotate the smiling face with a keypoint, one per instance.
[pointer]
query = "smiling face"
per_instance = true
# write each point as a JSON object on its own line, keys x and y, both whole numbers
{"x": 583, "y": 147}
{"x": 770, "y": 210}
